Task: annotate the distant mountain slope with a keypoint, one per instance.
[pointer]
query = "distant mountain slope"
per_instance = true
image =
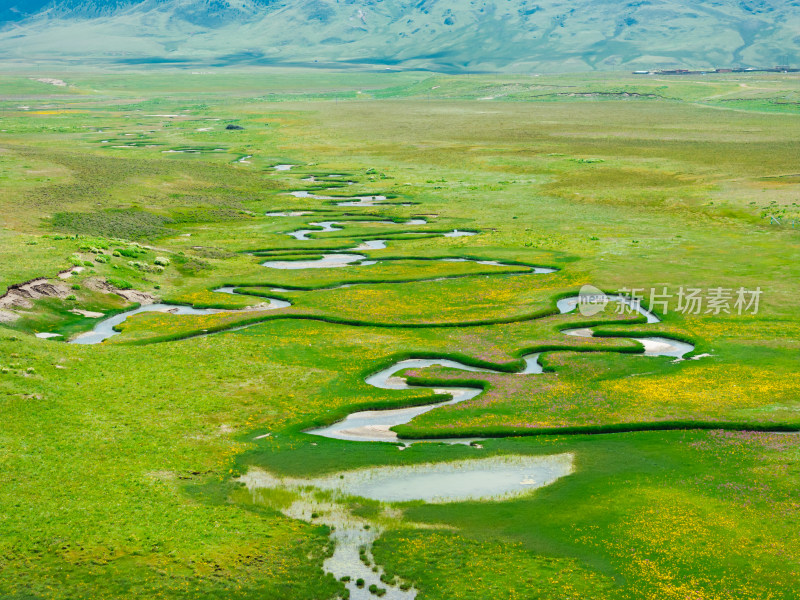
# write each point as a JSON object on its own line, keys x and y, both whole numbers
{"x": 448, "y": 35}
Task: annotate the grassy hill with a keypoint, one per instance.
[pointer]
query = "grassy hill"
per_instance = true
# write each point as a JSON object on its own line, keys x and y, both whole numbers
{"x": 443, "y": 35}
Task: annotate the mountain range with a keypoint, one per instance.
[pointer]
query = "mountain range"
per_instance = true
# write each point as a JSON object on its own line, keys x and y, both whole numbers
{"x": 442, "y": 35}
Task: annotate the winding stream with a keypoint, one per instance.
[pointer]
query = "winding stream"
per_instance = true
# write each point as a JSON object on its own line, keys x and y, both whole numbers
{"x": 328, "y": 261}
{"x": 442, "y": 482}
{"x": 375, "y": 425}
{"x": 344, "y": 259}
{"x": 653, "y": 346}
{"x": 294, "y": 213}
{"x": 106, "y": 328}
{"x": 329, "y": 226}
{"x": 494, "y": 478}
{"x": 342, "y": 200}
{"x": 320, "y": 227}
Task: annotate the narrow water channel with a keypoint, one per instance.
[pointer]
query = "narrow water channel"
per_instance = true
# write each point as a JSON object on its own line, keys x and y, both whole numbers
{"x": 376, "y": 425}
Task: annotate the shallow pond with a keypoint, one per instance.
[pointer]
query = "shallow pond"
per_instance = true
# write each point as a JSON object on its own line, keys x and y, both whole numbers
{"x": 372, "y": 245}
{"x": 457, "y": 233}
{"x": 661, "y": 346}
{"x": 493, "y": 478}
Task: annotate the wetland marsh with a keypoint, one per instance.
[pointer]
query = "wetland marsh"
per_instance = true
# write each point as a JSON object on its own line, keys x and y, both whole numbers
{"x": 346, "y": 340}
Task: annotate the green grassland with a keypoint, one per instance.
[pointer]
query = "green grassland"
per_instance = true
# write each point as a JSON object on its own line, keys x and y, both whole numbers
{"x": 118, "y": 460}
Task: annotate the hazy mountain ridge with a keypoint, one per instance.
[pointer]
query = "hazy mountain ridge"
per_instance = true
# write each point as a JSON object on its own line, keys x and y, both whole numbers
{"x": 437, "y": 34}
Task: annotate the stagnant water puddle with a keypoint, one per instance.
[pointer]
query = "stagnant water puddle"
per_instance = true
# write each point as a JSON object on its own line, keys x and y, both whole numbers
{"x": 372, "y": 245}
{"x": 495, "y": 478}
{"x": 352, "y": 561}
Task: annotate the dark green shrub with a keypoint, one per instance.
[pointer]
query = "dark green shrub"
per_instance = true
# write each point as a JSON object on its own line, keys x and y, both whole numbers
{"x": 119, "y": 283}
{"x": 191, "y": 266}
{"x": 132, "y": 252}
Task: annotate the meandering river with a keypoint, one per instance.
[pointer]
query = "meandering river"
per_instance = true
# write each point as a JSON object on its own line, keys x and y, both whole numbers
{"x": 476, "y": 479}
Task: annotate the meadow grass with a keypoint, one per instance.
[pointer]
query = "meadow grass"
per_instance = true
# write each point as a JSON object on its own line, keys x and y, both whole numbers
{"x": 118, "y": 459}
